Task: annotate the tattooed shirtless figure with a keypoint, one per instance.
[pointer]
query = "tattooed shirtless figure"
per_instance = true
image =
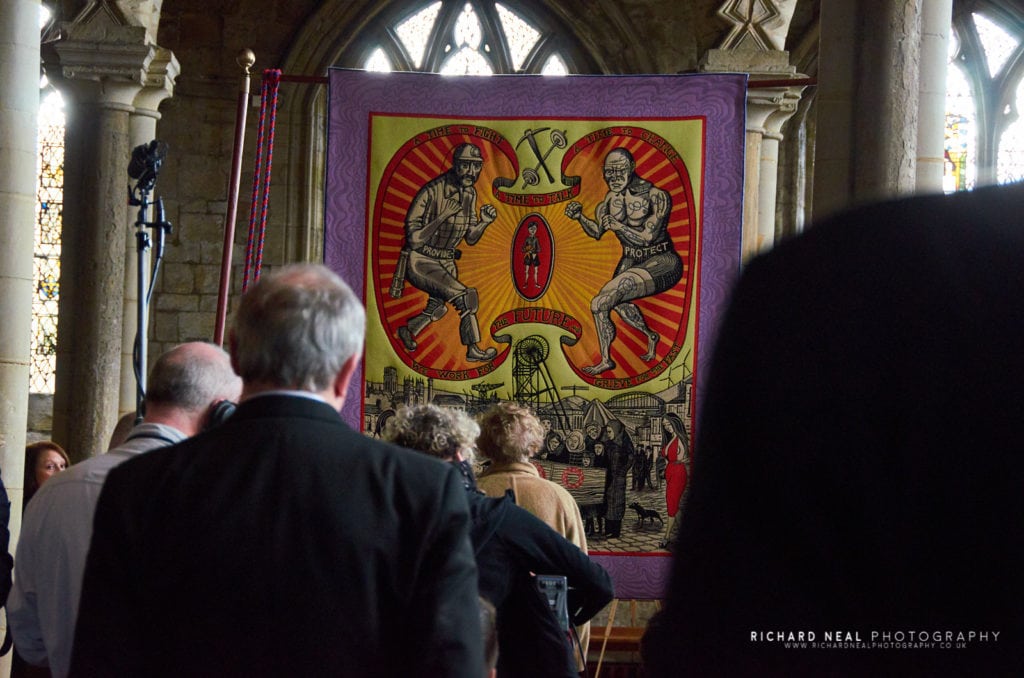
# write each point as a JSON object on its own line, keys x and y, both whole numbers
{"x": 637, "y": 212}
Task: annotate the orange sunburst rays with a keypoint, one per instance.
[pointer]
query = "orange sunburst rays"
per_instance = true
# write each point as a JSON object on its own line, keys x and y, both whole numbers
{"x": 580, "y": 264}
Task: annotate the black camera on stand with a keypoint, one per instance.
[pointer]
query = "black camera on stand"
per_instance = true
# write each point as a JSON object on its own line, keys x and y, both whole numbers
{"x": 144, "y": 167}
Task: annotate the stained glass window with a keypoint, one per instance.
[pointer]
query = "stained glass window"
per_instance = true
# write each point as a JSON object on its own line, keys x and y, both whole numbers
{"x": 961, "y": 127}
{"x": 1010, "y": 160}
{"x": 997, "y": 43}
{"x": 49, "y": 211}
{"x": 984, "y": 95}
{"x": 467, "y": 59}
{"x": 521, "y": 35}
{"x": 378, "y": 62}
{"x": 414, "y": 33}
{"x": 457, "y": 37}
{"x": 554, "y": 66}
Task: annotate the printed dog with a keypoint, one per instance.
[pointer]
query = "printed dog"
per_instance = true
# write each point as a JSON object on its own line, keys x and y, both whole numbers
{"x": 644, "y": 515}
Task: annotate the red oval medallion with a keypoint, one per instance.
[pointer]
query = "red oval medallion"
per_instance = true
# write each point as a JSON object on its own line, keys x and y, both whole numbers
{"x": 532, "y": 257}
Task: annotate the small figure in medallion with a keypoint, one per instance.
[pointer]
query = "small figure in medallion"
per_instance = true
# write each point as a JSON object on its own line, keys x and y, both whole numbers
{"x": 531, "y": 255}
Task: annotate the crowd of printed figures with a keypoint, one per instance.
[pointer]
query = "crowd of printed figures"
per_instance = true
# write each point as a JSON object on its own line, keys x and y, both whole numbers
{"x": 612, "y": 458}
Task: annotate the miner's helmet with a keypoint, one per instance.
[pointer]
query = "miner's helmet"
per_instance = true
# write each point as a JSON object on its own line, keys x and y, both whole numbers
{"x": 467, "y": 152}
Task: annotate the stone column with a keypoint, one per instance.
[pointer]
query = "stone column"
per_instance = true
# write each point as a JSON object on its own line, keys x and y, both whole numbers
{"x": 142, "y": 129}
{"x": 100, "y": 67}
{"x": 868, "y": 88}
{"x": 19, "y": 113}
{"x": 774, "y": 106}
{"x": 768, "y": 109}
{"x": 793, "y": 207}
{"x": 755, "y": 45}
{"x": 936, "y": 21}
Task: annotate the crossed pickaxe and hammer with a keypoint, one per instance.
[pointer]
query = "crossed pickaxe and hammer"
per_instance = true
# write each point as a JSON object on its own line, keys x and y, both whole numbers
{"x": 531, "y": 176}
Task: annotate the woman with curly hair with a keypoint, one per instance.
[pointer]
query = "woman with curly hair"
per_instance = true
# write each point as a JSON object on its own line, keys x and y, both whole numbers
{"x": 509, "y": 435}
{"x": 509, "y": 544}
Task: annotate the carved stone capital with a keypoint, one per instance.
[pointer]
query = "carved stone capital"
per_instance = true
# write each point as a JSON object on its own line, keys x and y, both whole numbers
{"x": 771, "y": 107}
{"x": 757, "y": 25}
{"x": 159, "y": 82}
{"x": 773, "y": 63}
{"x": 768, "y": 108}
{"x": 101, "y": 57}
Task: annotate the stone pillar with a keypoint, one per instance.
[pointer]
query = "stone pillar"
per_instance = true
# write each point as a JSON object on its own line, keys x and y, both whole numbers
{"x": 100, "y": 66}
{"x": 775, "y": 105}
{"x": 793, "y": 207}
{"x": 19, "y": 123}
{"x": 768, "y": 109}
{"x": 755, "y": 45}
{"x": 936, "y": 20}
{"x": 751, "y": 191}
{"x": 868, "y": 88}
{"x": 142, "y": 129}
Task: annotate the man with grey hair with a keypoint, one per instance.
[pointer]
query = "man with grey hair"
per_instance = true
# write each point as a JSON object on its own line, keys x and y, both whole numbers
{"x": 186, "y": 385}
{"x": 283, "y": 542}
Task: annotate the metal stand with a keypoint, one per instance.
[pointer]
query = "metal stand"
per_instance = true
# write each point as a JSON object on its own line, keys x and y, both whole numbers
{"x": 145, "y": 166}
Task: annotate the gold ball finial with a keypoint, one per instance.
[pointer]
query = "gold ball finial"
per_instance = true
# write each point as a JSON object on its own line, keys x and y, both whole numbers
{"x": 246, "y": 59}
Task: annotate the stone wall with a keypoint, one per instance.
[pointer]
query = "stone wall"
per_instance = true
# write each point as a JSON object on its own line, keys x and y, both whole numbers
{"x": 198, "y": 124}
{"x": 305, "y": 37}
{"x": 635, "y": 36}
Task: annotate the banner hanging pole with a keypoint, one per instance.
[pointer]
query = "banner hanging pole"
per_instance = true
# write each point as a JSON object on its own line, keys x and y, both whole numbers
{"x": 246, "y": 59}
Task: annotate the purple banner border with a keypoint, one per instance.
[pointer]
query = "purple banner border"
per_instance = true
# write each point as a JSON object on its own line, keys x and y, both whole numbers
{"x": 720, "y": 98}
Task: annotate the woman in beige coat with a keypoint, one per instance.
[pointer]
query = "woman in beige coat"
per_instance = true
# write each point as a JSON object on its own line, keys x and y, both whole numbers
{"x": 509, "y": 435}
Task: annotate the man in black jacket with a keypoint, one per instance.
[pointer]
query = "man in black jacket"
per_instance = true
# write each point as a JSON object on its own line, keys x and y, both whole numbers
{"x": 511, "y": 545}
{"x": 283, "y": 542}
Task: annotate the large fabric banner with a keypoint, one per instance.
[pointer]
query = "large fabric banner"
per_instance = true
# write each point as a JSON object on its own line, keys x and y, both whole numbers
{"x": 562, "y": 242}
